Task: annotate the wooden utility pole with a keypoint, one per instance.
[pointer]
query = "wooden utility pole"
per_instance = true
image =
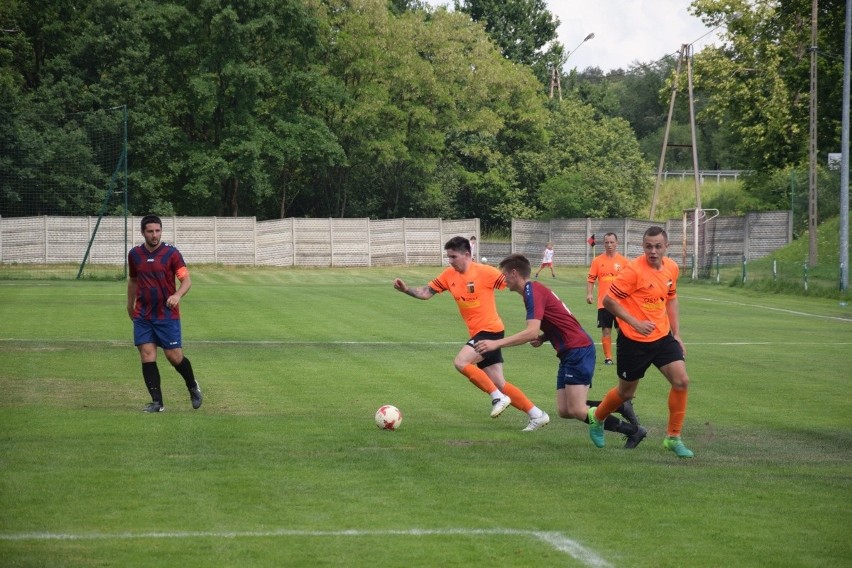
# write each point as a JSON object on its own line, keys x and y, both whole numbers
{"x": 554, "y": 82}
{"x": 698, "y": 214}
{"x": 666, "y": 133}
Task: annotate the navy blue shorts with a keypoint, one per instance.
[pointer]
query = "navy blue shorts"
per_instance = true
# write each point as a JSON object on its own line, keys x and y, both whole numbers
{"x": 634, "y": 357}
{"x": 492, "y": 357}
{"x": 576, "y": 367}
{"x": 163, "y": 333}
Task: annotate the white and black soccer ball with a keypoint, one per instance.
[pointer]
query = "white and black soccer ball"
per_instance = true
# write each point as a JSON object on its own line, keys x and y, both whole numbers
{"x": 388, "y": 417}
{"x": 484, "y": 260}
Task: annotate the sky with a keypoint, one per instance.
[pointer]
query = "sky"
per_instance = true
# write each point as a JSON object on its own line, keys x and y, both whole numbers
{"x": 626, "y": 31}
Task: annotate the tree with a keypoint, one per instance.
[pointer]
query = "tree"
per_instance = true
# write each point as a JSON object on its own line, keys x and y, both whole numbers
{"x": 757, "y": 82}
{"x": 524, "y": 30}
{"x": 302, "y": 108}
{"x": 595, "y": 168}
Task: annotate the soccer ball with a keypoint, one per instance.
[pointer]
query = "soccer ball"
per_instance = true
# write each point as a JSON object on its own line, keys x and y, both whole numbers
{"x": 388, "y": 417}
{"x": 484, "y": 259}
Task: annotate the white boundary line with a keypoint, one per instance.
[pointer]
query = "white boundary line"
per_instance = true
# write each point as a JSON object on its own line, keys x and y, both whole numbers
{"x": 556, "y": 540}
{"x": 770, "y": 308}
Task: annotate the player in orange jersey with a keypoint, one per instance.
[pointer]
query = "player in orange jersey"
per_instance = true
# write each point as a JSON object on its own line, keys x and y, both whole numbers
{"x": 472, "y": 285}
{"x": 549, "y": 319}
{"x": 604, "y": 268}
{"x": 644, "y": 299}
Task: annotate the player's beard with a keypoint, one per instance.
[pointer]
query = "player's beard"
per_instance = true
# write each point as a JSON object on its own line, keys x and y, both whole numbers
{"x": 152, "y": 243}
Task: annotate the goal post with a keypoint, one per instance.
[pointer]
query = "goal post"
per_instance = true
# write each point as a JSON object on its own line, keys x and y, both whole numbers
{"x": 694, "y": 241}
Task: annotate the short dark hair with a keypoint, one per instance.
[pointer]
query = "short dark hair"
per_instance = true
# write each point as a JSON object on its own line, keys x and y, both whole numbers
{"x": 458, "y": 244}
{"x": 655, "y": 230}
{"x": 147, "y": 219}
{"x": 611, "y": 233}
{"x": 517, "y": 262}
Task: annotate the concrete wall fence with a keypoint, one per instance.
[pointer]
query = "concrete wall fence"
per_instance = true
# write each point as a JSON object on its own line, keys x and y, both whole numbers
{"x": 365, "y": 242}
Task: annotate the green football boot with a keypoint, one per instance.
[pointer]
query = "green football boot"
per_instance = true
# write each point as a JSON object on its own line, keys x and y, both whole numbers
{"x": 675, "y": 444}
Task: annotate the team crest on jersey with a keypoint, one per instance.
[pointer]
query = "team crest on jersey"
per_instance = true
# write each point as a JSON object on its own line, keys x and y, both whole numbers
{"x": 470, "y": 287}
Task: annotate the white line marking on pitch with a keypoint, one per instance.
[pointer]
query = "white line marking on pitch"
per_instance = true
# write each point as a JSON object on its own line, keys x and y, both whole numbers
{"x": 556, "y": 540}
{"x": 770, "y": 308}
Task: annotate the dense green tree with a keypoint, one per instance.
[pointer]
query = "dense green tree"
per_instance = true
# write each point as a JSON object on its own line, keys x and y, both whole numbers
{"x": 298, "y": 108}
{"x": 757, "y": 83}
{"x": 595, "y": 166}
{"x": 524, "y": 29}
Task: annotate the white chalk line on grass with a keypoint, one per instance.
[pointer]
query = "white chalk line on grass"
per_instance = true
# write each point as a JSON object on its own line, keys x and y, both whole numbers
{"x": 556, "y": 540}
{"x": 770, "y": 308}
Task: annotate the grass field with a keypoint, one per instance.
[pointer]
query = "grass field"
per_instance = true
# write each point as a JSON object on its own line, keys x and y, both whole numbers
{"x": 283, "y": 465}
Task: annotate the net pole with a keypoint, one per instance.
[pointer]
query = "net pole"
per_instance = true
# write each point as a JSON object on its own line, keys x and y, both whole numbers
{"x": 126, "y": 236}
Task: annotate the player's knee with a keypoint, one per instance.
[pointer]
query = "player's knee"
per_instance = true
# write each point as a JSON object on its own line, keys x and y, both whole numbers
{"x": 578, "y": 413}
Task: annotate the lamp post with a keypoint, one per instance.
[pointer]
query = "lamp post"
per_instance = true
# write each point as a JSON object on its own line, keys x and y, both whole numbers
{"x": 585, "y": 39}
{"x": 554, "y": 74}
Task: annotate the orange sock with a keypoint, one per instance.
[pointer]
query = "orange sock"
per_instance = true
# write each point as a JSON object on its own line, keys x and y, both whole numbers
{"x": 677, "y": 411}
{"x": 519, "y": 399}
{"x": 607, "y": 346}
{"x": 478, "y": 377}
{"x": 609, "y": 403}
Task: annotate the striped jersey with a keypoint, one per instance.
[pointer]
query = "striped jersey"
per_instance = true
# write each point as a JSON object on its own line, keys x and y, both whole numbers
{"x": 155, "y": 272}
{"x": 558, "y": 324}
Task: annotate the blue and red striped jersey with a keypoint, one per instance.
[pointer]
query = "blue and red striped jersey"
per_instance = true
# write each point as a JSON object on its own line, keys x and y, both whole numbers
{"x": 558, "y": 324}
{"x": 155, "y": 272}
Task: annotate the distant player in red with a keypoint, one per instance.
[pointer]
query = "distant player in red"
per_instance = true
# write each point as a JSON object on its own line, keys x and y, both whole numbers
{"x": 644, "y": 299}
{"x": 604, "y": 268}
{"x": 153, "y": 305}
{"x": 472, "y": 285}
{"x": 549, "y": 319}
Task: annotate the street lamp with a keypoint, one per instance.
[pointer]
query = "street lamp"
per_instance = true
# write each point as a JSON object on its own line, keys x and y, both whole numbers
{"x": 585, "y": 39}
{"x": 554, "y": 73}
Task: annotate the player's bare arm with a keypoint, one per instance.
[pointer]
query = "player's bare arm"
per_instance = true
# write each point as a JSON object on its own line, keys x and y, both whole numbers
{"x": 132, "y": 286}
{"x": 528, "y": 335}
{"x": 419, "y": 292}
{"x": 185, "y": 285}
{"x": 644, "y": 327}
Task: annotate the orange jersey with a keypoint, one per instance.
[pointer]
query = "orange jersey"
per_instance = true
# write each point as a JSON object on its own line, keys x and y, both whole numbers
{"x": 644, "y": 292}
{"x": 474, "y": 295}
{"x": 604, "y": 269}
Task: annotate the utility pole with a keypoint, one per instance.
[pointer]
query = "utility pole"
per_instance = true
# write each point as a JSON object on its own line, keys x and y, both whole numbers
{"x": 698, "y": 214}
{"x": 554, "y": 82}
{"x": 812, "y": 145}
{"x": 844, "y": 157}
{"x": 680, "y": 59}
